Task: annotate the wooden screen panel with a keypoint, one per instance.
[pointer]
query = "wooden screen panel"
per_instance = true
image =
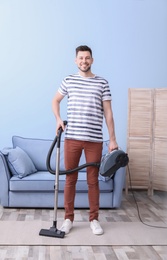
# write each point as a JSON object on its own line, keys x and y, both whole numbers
{"x": 160, "y": 165}
{"x": 160, "y": 113}
{"x": 147, "y": 138}
{"x": 140, "y": 112}
{"x": 139, "y": 163}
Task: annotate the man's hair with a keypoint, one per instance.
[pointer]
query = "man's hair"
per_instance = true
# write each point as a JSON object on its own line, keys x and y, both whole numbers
{"x": 83, "y": 48}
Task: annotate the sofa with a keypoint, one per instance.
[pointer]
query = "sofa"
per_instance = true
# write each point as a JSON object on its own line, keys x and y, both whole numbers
{"x": 26, "y": 182}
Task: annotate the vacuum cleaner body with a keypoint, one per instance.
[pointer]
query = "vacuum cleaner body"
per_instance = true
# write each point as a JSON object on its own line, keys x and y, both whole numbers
{"x": 112, "y": 161}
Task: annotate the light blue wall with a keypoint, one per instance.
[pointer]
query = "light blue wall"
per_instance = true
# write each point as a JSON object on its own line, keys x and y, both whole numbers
{"x": 37, "y": 49}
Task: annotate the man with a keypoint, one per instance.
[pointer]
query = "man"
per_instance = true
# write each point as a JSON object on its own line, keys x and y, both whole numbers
{"x": 88, "y": 99}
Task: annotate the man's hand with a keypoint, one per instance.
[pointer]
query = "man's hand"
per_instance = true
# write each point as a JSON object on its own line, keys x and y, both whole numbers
{"x": 112, "y": 146}
{"x": 59, "y": 125}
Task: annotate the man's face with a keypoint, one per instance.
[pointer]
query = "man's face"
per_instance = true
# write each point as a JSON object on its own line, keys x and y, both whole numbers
{"x": 84, "y": 61}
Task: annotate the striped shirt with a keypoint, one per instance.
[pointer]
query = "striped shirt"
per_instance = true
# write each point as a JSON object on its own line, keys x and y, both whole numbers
{"x": 84, "y": 106}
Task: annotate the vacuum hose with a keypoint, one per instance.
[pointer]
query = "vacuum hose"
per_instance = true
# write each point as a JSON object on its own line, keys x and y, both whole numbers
{"x": 58, "y": 140}
{"x": 108, "y": 166}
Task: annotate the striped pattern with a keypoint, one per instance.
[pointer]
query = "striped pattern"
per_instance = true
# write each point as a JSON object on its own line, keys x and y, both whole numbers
{"x": 85, "y": 106}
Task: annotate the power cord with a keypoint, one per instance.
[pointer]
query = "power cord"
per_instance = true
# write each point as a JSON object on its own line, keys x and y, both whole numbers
{"x": 137, "y": 207}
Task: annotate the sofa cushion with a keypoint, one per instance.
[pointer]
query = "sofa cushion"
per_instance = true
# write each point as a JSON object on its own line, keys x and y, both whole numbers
{"x": 19, "y": 162}
{"x": 44, "y": 181}
{"x": 37, "y": 149}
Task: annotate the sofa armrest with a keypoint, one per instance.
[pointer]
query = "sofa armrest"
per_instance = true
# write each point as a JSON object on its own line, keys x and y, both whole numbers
{"x": 119, "y": 184}
{"x": 4, "y": 180}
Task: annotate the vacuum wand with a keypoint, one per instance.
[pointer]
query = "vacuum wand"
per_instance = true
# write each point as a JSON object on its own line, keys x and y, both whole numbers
{"x": 53, "y": 231}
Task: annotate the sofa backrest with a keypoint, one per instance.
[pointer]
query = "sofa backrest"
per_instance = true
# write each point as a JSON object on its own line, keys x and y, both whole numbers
{"x": 38, "y": 149}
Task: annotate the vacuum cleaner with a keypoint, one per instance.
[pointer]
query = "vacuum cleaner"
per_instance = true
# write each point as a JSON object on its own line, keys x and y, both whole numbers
{"x": 108, "y": 166}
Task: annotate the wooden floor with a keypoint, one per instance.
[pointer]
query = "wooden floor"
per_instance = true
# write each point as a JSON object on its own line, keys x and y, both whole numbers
{"x": 152, "y": 209}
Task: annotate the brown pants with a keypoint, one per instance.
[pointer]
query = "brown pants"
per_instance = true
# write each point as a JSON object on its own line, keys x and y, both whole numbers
{"x": 72, "y": 153}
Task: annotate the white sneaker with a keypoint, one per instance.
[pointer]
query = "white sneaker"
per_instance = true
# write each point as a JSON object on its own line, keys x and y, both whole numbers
{"x": 67, "y": 225}
{"x": 96, "y": 228}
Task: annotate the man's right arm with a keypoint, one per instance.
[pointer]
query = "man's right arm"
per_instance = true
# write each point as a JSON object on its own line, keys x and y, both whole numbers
{"x": 56, "y": 110}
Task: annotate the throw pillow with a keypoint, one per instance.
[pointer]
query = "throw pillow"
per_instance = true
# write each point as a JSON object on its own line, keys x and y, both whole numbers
{"x": 19, "y": 162}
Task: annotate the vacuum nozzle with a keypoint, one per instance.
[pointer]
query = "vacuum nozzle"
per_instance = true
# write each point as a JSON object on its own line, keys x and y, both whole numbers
{"x": 52, "y": 232}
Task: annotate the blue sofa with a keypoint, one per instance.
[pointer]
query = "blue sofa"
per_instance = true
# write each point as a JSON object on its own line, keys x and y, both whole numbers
{"x": 25, "y": 181}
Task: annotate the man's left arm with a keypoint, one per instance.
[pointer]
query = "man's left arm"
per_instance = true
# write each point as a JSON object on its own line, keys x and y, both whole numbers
{"x": 108, "y": 114}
